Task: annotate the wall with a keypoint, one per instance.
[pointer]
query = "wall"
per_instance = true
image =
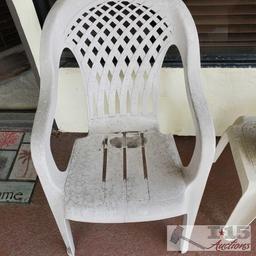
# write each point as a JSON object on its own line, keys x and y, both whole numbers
{"x": 230, "y": 93}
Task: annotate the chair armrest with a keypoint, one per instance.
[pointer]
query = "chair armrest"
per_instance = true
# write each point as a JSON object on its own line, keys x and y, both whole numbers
{"x": 188, "y": 44}
{"x": 44, "y": 118}
{"x": 43, "y": 160}
{"x": 51, "y": 47}
{"x": 204, "y": 151}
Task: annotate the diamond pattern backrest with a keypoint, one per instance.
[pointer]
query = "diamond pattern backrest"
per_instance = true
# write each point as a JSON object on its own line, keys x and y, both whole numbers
{"x": 120, "y": 46}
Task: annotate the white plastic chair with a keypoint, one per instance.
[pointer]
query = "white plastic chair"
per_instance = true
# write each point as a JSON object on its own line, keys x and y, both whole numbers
{"x": 242, "y": 139}
{"x": 125, "y": 170}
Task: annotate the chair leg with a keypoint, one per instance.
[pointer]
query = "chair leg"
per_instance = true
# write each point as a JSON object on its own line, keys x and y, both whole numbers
{"x": 244, "y": 212}
{"x": 65, "y": 230}
{"x": 188, "y": 222}
{"x": 221, "y": 146}
{"x": 63, "y": 225}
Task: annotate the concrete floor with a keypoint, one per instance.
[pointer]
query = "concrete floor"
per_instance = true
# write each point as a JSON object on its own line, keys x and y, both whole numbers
{"x": 30, "y": 230}
{"x": 19, "y": 93}
{"x": 18, "y": 87}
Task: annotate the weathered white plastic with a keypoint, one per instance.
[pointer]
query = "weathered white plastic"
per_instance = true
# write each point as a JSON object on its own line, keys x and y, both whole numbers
{"x": 122, "y": 91}
{"x": 242, "y": 139}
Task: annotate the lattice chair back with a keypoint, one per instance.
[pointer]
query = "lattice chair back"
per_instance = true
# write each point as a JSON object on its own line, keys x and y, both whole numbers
{"x": 120, "y": 46}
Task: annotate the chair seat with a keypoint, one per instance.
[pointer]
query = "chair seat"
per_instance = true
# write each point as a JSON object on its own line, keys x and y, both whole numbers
{"x": 124, "y": 177}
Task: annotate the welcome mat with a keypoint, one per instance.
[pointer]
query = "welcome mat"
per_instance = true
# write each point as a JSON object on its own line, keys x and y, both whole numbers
{"x": 17, "y": 172}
